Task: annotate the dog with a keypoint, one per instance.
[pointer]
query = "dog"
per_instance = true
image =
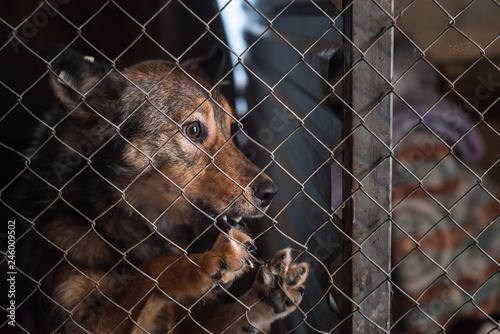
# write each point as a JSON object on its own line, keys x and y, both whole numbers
{"x": 138, "y": 200}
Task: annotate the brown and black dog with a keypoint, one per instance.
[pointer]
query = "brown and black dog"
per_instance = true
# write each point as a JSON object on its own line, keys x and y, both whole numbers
{"x": 130, "y": 169}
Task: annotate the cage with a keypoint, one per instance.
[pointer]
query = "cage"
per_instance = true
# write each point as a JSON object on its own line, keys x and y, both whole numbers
{"x": 375, "y": 119}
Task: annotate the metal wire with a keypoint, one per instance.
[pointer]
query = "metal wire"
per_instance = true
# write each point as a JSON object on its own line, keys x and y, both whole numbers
{"x": 451, "y": 201}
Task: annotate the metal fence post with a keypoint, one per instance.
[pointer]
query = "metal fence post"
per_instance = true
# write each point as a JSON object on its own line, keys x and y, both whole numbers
{"x": 367, "y": 181}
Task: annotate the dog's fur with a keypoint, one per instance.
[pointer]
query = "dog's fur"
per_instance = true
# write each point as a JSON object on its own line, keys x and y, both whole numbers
{"x": 132, "y": 167}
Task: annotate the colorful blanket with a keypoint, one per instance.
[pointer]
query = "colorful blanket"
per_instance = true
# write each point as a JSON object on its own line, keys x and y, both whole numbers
{"x": 446, "y": 248}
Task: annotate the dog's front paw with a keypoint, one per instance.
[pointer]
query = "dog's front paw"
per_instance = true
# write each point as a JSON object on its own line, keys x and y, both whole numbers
{"x": 231, "y": 253}
{"x": 280, "y": 282}
{"x": 275, "y": 293}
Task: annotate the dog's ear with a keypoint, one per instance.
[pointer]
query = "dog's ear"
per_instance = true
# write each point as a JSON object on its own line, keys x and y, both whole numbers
{"x": 213, "y": 68}
{"x": 74, "y": 77}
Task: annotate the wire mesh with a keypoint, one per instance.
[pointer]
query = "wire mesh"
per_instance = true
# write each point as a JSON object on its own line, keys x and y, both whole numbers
{"x": 375, "y": 119}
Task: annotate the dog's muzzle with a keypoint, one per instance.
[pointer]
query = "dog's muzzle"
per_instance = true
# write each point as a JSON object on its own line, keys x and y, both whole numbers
{"x": 264, "y": 192}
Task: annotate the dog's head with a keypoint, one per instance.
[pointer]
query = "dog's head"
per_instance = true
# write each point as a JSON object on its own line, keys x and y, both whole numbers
{"x": 161, "y": 138}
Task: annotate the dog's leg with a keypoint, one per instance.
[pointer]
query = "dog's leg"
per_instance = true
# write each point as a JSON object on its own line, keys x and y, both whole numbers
{"x": 276, "y": 292}
{"x": 185, "y": 277}
{"x": 149, "y": 301}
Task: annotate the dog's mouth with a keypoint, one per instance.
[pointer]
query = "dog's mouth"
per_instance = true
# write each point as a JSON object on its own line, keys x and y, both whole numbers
{"x": 209, "y": 225}
{"x": 216, "y": 221}
{"x": 225, "y": 222}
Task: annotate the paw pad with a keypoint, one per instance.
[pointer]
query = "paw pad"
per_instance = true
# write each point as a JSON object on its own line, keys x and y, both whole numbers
{"x": 281, "y": 282}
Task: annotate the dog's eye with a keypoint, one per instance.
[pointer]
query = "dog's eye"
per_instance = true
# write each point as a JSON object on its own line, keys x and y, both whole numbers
{"x": 193, "y": 130}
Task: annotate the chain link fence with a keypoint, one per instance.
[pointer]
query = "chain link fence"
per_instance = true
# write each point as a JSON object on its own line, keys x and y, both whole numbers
{"x": 376, "y": 120}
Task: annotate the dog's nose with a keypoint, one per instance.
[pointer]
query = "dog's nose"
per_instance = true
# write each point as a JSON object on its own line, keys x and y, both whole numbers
{"x": 264, "y": 191}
